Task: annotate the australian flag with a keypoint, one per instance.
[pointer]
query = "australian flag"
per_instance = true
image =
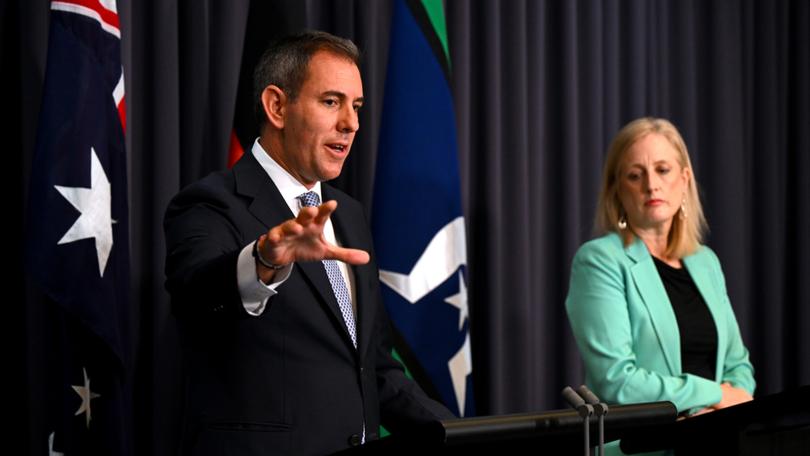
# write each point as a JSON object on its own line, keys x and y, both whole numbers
{"x": 77, "y": 249}
{"x": 417, "y": 218}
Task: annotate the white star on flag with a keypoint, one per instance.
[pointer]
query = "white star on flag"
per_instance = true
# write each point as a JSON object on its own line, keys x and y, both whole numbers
{"x": 444, "y": 254}
{"x": 51, "y": 452}
{"x": 86, "y": 395}
{"x": 460, "y": 366}
{"x": 95, "y": 205}
{"x": 459, "y": 300}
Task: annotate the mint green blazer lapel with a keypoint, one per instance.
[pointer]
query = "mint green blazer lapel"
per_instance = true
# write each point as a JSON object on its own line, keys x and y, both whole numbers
{"x": 700, "y": 269}
{"x": 655, "y": 298}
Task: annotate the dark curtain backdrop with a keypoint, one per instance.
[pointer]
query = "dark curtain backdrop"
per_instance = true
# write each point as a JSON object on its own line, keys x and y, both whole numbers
{"x": 540, "y": 88}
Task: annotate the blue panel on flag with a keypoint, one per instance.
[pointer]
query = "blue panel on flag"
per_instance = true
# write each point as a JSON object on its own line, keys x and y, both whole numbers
{"x": 417, "y": 200}
{"x": 417, "y": 141}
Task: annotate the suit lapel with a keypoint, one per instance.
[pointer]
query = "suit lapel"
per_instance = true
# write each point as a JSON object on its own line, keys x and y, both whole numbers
{"x": 348, "y": 230}
{"x": 315, "y": 272}
{"x": 700, "y": 272}
{"x": 252, "y": 181}
{"x": 655, "y": 298}
{"x": 270, "y": 208}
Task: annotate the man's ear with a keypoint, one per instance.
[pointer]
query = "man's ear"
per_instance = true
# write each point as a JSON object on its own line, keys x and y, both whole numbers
{"x": 274, "y": 101}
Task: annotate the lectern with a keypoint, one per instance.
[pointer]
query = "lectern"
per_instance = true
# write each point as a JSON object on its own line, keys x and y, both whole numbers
{"x": 551, "y": 432}
{"x": 778, "y": 424}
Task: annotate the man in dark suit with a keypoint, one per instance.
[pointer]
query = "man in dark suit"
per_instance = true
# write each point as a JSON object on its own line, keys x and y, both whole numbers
{"x": 286, "y": 337}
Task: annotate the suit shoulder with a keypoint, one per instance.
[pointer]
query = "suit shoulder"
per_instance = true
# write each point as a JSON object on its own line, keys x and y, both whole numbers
{"x": 705, "y": 254}
{"x": 607, "y": 246}
{"x": 707, "y": 258}
{"x": 216, "y": 188}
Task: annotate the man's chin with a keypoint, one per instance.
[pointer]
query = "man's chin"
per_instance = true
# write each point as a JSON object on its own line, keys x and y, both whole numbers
{"x": 329, "y": 174}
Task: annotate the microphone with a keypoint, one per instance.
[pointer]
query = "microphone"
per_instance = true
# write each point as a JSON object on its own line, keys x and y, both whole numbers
{"x": 600, "y": 408}
{"x": 585, "y": 411}
{"x": 577, "y": 402}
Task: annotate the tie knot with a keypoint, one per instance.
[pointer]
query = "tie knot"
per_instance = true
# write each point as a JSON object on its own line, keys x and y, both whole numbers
{"x": 309, "y": 199}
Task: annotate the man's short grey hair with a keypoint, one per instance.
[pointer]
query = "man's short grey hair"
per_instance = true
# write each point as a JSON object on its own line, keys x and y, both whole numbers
{"x": 286, "y": 61}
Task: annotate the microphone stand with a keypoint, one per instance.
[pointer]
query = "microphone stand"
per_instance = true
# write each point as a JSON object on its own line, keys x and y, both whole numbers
{"x": 600, "y": 408}
{"x": 585, "y": 411}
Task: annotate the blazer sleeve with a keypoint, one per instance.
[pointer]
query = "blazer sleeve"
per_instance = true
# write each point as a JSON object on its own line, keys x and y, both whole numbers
{"x": 737, "y": 368}
{"x": 597, "y": 307}
{"x": 202, "y": 248}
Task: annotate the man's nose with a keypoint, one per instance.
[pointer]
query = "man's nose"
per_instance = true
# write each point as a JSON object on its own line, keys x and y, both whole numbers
{"x": 349, "y": 121}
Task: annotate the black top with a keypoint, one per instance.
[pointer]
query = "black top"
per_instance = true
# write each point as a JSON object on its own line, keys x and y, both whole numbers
{"x": 695, "y": 323}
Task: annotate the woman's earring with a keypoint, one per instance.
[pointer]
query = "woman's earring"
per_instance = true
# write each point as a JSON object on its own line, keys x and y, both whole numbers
{"x": 622, "y": 224}
{"x": 683, "y": 209}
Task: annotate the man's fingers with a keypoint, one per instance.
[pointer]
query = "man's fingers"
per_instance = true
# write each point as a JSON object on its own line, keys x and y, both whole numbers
{"x": 306, "y": 215}
{"x": 274, "y": 235}
{"x": 301, "y": 238}
{"x": 324, "y": 211}
{"x": 349, "y": 256}
{"x": 287, "y": 229}
{"x": 292, "y": 228}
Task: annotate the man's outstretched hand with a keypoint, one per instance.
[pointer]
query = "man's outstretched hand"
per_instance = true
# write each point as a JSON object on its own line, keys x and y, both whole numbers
{"x": 301, "y": 239}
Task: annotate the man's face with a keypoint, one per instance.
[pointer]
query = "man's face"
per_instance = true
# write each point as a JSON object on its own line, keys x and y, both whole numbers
{"x": 319, "y": 125}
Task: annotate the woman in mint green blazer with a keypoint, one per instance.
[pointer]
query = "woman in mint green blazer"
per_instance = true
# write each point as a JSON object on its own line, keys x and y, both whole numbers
{"x": 647, "y": 302}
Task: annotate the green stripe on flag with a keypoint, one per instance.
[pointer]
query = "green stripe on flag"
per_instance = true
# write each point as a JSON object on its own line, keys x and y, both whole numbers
{"x": 435, "y": 12}
{"x": 383, "y": 431}
{"x": 399, "y": 358}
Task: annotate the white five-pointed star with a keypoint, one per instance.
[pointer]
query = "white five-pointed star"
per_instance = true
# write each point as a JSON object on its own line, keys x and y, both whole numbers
{"x": 86, "y": 395}
{"x": 51, "y": 452}
{"x": 95, "y": 204}
{"x": 459, "y": 300}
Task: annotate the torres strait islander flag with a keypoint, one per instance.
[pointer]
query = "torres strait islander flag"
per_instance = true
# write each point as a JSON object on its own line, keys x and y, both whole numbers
{"x": 417, "y": 221}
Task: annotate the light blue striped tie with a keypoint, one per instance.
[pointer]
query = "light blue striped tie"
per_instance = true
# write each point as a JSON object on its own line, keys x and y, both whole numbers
{"x": 311, "y": 199}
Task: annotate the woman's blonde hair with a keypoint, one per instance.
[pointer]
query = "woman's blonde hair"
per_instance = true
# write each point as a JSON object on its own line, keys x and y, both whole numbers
{"x": 686, "y": 232}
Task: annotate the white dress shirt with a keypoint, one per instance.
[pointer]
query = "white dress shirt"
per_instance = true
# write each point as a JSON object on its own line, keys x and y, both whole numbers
{"x": 253, "y": 291}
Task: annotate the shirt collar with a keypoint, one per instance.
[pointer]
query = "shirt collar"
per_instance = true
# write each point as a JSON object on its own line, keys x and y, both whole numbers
{"x": 287, "y": 185}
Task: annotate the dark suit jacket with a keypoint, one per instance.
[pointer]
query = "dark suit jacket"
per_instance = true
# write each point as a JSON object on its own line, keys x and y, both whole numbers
{"x": 288, "y": 381}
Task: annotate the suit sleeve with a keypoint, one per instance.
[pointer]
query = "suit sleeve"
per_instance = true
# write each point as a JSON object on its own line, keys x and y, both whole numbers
{"x": 598, "y": 313}
{"x": 737, "y": 368}
{"x": 202, "y": 247}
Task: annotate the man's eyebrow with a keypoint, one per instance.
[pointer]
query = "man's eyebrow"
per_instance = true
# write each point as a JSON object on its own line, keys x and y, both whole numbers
{"x": 341, "y": 95}
{"x": 334, "y": 93}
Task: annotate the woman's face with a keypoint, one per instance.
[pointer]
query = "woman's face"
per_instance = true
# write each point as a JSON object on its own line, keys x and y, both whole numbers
{"x": 651, "y": 183}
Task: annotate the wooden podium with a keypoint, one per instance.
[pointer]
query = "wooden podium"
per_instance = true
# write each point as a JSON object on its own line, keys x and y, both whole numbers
{"x": 778, "y": 424}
